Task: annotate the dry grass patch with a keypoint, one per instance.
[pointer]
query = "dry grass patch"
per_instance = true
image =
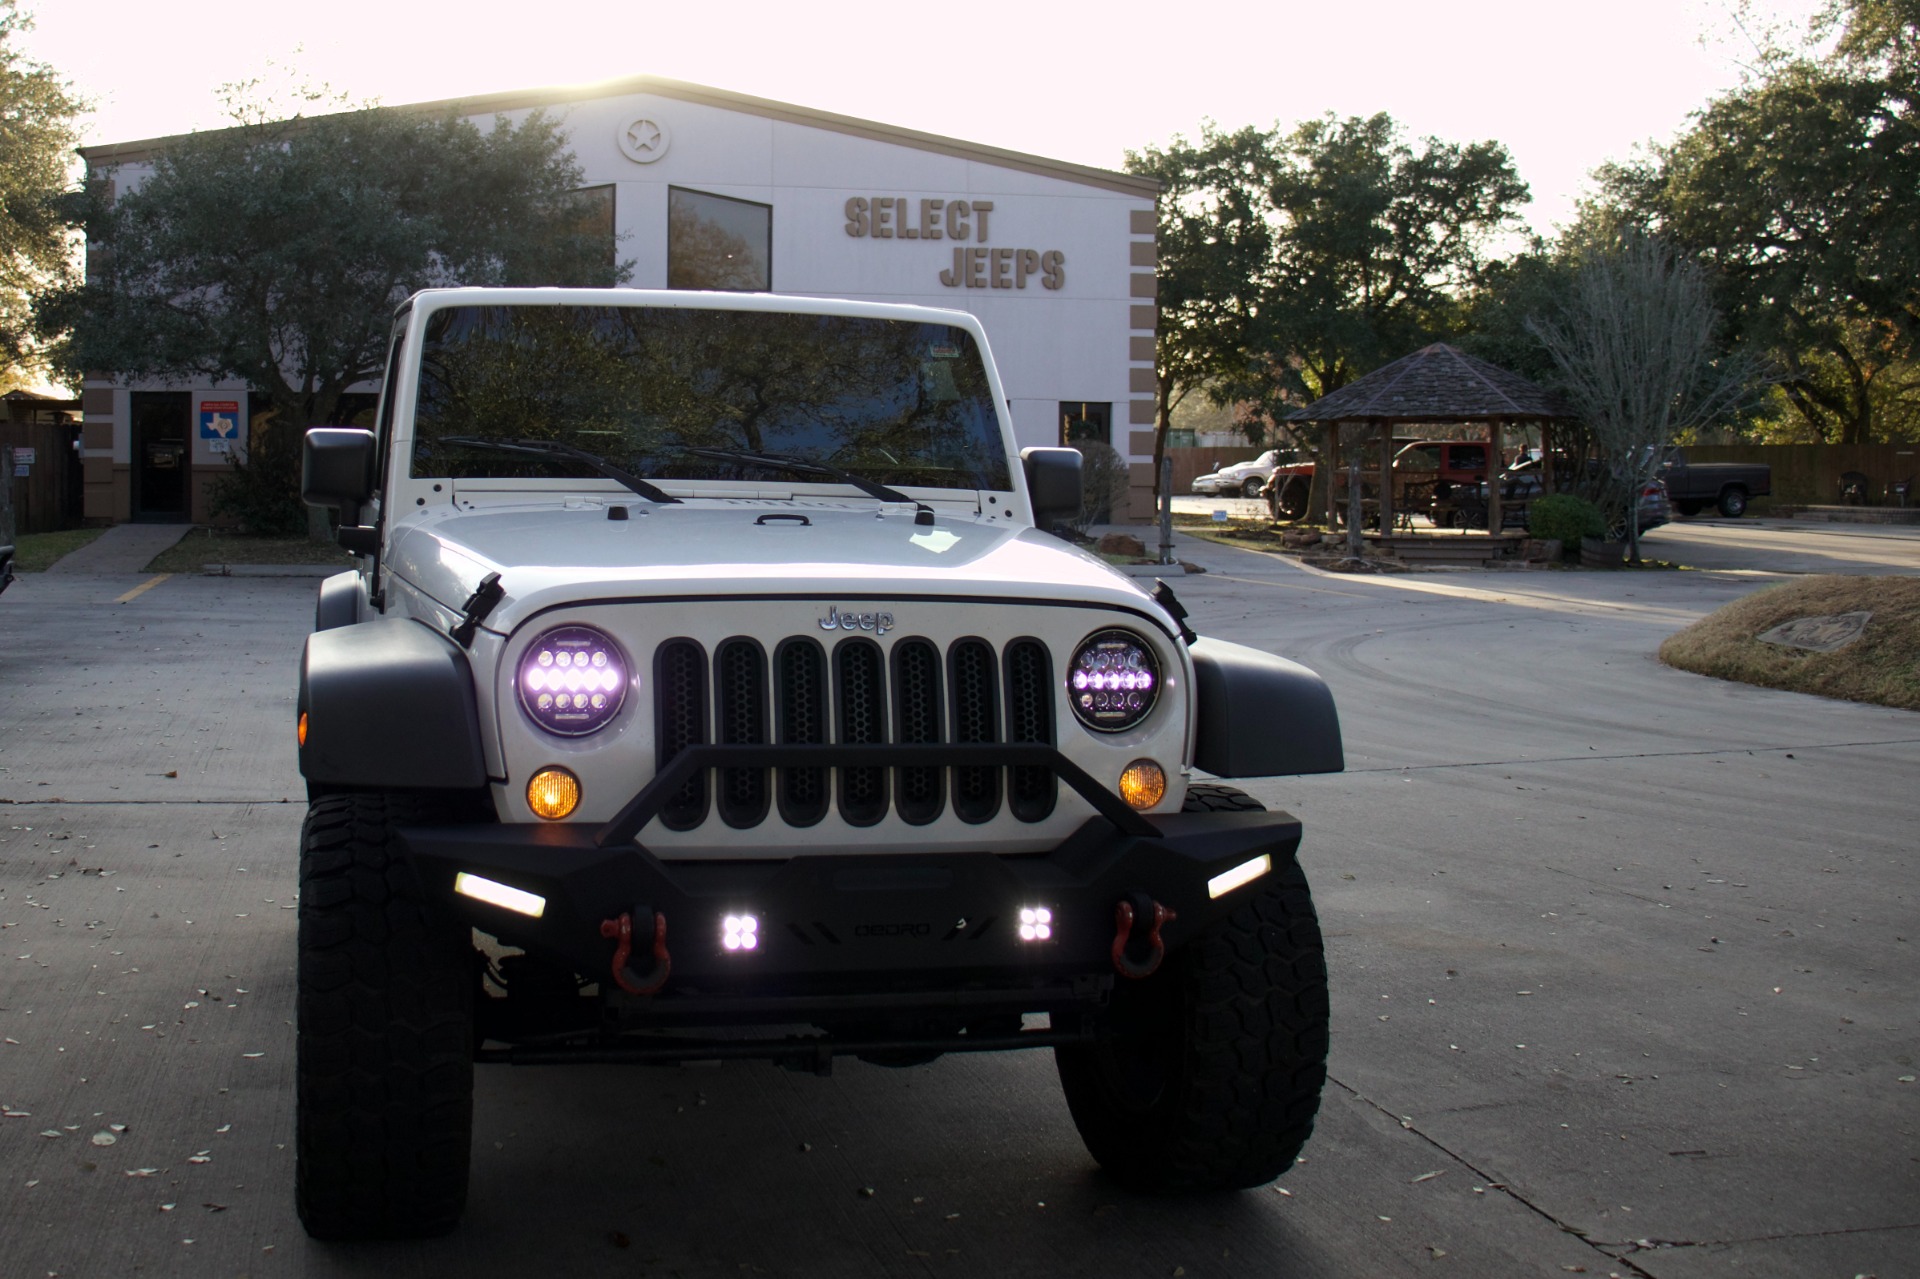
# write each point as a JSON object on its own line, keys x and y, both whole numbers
{"x": 1882, "y": 666}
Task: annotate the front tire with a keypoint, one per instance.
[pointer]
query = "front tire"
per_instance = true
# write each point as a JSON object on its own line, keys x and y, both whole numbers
{"x": 1251, "y": 486}
{"x": 1211, "y": 1074}
{"x": 383, "y": 1102}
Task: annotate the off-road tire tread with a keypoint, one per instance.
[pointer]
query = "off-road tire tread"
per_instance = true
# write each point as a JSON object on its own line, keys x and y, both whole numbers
{"x": 1244, "y": 1097}
{"x": 1211, "y": 797}
{"x": 384, "y": 1077}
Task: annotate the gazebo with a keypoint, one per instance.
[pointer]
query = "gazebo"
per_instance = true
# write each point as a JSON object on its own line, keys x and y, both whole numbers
{"x": 1437, "y": 384}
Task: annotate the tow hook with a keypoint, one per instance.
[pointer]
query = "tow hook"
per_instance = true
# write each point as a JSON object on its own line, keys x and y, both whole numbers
{"x": 620, "y": 929}
{"x": 1137, "y": 920}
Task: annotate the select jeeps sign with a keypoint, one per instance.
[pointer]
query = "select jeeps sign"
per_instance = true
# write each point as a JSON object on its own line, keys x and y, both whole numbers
{"x": 975, "y": 264}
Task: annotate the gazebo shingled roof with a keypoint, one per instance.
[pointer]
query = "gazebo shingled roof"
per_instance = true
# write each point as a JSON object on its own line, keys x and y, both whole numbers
{"x": 1437, "y": 383}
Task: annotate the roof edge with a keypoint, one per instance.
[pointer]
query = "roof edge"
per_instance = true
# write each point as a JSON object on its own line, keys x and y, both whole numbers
{"x": 725, "y": 99}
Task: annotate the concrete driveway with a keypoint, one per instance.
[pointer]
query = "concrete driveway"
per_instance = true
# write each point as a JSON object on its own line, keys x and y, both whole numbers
{"x": 1622, "y": 958}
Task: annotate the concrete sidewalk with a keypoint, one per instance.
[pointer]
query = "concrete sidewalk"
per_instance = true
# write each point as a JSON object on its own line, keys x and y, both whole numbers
{"x": 124, "y": 548}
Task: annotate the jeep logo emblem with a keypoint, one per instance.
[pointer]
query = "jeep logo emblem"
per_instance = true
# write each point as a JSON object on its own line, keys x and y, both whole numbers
{"x": 835, "y": 620}
{"x": 891, "y": 930}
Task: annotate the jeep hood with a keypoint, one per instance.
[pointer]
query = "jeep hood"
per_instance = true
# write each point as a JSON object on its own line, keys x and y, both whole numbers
{"x": 550, "y": 554}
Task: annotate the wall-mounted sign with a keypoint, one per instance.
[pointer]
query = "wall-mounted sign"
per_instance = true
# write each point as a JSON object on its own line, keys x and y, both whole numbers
{"x": 979, "y": 266}
{"x": 219, "y": 419}
{"x": 643, "y": 139}
{"x": 25, "y": 455}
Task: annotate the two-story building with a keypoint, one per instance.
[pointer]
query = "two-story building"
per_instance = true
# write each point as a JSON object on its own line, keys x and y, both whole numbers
{"x": 1056, "y": 259}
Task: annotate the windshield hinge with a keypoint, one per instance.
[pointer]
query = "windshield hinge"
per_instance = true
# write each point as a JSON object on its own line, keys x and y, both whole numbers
{"x": 1163, "y": 596}
{"x": 478, "y": 605}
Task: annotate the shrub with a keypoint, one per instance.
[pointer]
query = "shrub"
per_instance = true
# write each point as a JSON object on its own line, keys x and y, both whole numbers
{"x": 1565, "y": 517}
{"x": 263, "y": 492}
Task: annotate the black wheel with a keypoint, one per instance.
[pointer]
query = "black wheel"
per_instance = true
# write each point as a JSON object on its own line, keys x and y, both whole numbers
{"x": 1292, "y": 503}
{"x": 1251, "y": 486}
{"x": 1733, "y": 502}
{"x": 383, "y": 1100}
{"x": 1211, "y": 1075}
{"x": 1690, "y": 508}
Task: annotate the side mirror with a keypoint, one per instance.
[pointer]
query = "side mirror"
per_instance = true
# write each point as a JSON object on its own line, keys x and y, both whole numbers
{"x": 1053, "y": 485}
{"x": 336, "y": 469}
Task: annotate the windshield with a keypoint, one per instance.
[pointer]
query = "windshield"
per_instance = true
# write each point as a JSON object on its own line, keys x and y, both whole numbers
{"x": 894, "y": 402}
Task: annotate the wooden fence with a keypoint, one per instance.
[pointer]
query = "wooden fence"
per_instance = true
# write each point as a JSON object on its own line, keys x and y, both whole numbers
{"x": 1809, "y": 474}
{"x": 47, "y": 497}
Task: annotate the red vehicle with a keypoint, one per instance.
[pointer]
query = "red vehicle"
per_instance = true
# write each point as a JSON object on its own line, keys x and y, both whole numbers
{"x": 1425, "y": 474}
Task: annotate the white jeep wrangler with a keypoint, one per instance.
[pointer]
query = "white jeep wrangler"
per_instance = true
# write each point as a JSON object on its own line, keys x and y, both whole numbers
{"x": 706, "y": 690}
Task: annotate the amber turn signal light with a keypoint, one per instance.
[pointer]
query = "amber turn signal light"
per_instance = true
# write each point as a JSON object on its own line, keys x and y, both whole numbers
{"x": 553, "y": 793}
{"x": 301, "y": 732}
{"x": 1143, "y": 784}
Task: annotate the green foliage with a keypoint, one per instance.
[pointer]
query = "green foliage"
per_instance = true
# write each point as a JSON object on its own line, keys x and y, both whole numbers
{"x": 1797, "y": 192}
{"x": 1292, "y": 262}
{"x": 263, "y": 492}
{"x": 275, "y": 252}
{"x": 38, "y": 111}
{"x": 1214, "y": 248}
{"x": 1565, "y": 517}
{"x": 1375, "y": 239}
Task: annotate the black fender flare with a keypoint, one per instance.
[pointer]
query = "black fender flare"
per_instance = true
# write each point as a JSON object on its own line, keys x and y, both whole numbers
{"x": 1260, "y": 715}
{"x": 339, "y": 601}
{"x": 388, "y": 704}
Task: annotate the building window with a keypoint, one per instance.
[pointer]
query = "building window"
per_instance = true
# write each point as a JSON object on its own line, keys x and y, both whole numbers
{"x": 714, "y": 242}
{"x": 592, "y": 221}
{"x": 1084, "y": 422}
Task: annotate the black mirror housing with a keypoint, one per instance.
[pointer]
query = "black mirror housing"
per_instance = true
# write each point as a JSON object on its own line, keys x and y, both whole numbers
{"x": 1054, "y": 485}
{"x": 336, "y": 469}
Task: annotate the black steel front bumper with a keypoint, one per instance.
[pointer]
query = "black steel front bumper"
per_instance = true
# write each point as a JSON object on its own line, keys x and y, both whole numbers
{"x": 901, "y": 926}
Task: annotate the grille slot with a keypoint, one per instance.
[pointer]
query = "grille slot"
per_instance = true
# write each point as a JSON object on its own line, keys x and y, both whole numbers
{"x": 860, "y": 707}
{"x": 740, "y": 719}
{"x": 1031, "y": 788}
{"x": 919, "y": 793}
{"x": 680, "y": 721}
{"x": 801, "y": 711}
{"x": 856, "y": 694}
{"x": 971, "y": 672}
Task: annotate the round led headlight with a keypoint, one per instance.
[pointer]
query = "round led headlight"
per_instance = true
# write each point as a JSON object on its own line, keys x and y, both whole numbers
{"x": 572, "y": 681}
{"x": 1113, "y": 681}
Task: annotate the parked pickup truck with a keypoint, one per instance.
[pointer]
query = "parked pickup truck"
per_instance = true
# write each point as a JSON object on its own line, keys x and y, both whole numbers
{"x": 1694, "y": 486}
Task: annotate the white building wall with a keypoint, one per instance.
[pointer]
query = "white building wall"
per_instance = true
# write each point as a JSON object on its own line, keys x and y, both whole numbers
{"x": 1078, "y": 342}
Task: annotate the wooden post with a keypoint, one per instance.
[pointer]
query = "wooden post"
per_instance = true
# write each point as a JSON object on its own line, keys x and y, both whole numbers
{"x": 1332, "y": 450}
{"x": 1493, "y": 479}
{"x": 1386, "y": 479}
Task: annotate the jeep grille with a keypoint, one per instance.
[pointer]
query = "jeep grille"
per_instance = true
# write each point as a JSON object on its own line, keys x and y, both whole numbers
{"x": 862, "y": 695}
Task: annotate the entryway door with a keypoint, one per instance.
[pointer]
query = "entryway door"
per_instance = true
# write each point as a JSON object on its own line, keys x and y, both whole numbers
{"x": 161, "y": 461}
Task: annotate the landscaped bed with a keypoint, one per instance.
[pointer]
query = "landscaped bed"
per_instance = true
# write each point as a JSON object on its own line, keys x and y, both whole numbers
{"x": 1882, "y": 665}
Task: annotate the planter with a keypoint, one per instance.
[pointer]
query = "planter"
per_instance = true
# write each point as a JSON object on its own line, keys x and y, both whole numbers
{"x": 1598, "y": 552}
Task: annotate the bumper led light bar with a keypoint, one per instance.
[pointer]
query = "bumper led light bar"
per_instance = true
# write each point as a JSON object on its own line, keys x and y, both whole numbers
{"x": 1240, "y": 876}
{"x": 504, "y": 896}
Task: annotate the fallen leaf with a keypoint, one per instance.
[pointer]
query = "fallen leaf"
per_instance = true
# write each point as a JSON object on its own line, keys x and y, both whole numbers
{"x": 253, "y": 1056}
{"x": 51, "y": 1132}
{"x": 141, "y": 1172}
{"x": 1427, "y": 1176}
{"x": 103, "y": 1138}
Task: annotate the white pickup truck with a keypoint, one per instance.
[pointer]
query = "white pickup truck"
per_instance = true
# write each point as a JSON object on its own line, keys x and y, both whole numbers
{"x": 705, "y": 678}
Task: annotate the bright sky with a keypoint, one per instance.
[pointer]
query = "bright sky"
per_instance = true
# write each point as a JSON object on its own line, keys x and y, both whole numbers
{"x": 1565, "y": 86}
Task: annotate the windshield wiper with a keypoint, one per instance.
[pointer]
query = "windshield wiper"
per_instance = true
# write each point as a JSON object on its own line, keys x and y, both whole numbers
{"x": 553, "y": 448}
{"x": 923, "y": 514}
